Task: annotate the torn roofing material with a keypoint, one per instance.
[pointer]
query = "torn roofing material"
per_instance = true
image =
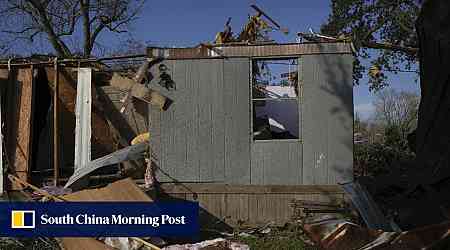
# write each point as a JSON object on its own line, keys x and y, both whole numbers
{"x": 129, "y": 153}
{"x": 366, "y": 206}
{"x": 336, "y": 234}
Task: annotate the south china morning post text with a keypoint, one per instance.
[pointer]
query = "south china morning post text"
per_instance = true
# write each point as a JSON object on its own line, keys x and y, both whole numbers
{"x": 99, "y": 219}
{"x": 114, "y": 219}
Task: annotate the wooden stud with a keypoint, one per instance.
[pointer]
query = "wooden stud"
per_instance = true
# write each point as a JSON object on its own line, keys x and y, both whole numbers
{"x": 55, "y": 125}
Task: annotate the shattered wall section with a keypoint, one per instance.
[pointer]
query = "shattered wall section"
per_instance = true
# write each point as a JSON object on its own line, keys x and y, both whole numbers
{"x": 102, "y": 139}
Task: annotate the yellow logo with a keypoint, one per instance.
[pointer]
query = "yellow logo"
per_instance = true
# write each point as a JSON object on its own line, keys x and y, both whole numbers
{"x": 22, "y": 219}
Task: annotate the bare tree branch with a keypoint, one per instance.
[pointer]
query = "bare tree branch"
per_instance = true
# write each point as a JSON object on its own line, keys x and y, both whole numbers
{"x": 59, "y": 19}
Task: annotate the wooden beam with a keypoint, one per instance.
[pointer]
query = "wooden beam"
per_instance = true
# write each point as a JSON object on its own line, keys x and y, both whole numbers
{"x": 55, "y": 125}
{"x": 1, "y": 147}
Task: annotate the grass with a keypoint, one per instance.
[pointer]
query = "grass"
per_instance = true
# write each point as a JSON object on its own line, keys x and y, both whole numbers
{"x": 28, "y": 243}
{"x": 286, "y": 238}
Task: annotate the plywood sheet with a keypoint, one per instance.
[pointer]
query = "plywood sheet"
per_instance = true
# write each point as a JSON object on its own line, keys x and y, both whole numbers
{"x": 19, "y": 122}
{"x": 123, "y": 190}
{"x": 84, "y": 244}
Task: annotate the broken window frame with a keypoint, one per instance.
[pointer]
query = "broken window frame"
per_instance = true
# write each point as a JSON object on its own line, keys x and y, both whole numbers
{"x": 298, "y": 98}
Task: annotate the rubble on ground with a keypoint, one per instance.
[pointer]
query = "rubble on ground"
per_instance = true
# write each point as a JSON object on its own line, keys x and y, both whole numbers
{"x": 216, "y": 244}
{"x": 337, "y": 234}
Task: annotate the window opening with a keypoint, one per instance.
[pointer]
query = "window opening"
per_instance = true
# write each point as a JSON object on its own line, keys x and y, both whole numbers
{"x": 275, "y": 99}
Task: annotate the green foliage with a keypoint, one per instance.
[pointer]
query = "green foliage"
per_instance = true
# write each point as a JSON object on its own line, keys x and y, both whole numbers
{"x": 386, "y": 137}
{"x": 289, "y": 238}
{"x": 388, "y": 26}
{"x": 372, "y": 159}
{"x": 394, "y": 137}
{"x": 285, "y": 243}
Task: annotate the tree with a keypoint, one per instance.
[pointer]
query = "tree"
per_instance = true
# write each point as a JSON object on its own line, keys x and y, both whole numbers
{"x": 61, "y": 21}
{"x": 382, "y": 31}
{"x": 397, "y": 112}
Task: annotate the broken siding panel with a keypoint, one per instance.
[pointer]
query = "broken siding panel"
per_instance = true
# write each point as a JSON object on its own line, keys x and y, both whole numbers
{"x": 327, "y": 119}
{"x": 237, "y": 120}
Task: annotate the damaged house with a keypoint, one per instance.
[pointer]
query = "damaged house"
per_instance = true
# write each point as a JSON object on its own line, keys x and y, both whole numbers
{"x": 246, "y": 141}
{"x": 243, "y": 129}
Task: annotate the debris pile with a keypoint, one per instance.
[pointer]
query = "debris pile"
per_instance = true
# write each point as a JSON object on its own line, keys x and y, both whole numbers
{"x": 255, "y": 30}
{"x": 104, "y": 121}
{"x": 337, "y": 234}
{"x": 219, "y": 244}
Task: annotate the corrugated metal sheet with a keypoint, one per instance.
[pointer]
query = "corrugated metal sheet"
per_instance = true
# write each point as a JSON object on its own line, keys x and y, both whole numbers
{"x": 327, "y": 121}
{"x": 267, "y": 50}
{"x": 368, "y": 209}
